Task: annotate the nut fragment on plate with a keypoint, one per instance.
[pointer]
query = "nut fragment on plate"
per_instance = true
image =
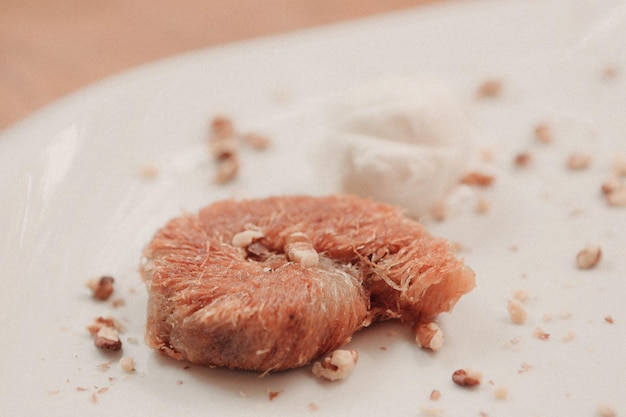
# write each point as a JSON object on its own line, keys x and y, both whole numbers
{"x": 522, "y": 159}
{"x": 108, "y": 338}
{"x": 467, "y": 377}
{"x": 517, "y": 312}
{"x": 589, "y": 257}
{"x": 617, "y": 197}
{"x": 337, "y": 366}
{"x": 578, "y": 161}
{"x": 540, "y": 334}
{"x": 477, "y": 178}
{"x": 605, "y": 410}
{"x": 490, "y": 89}
{"x": 102, "y": 287}
{"x": 127, "y": 363}
{"x": 224, "y": 144}
{"x": 106, "y": 333}
{"x": 501, "y": 393}
{"x": 543, "y": 133}
{"x": 428, "y": 335}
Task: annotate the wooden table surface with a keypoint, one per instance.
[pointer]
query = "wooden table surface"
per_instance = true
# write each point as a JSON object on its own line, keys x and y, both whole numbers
{"x": 49, "y": 48}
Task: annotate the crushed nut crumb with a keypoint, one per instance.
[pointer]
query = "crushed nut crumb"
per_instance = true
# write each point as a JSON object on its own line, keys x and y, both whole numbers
{"x": 438, "y": 212}
{"x": 256, "y": 141}
{"x": 299, "y": 248}
{"x": 127, "y": 364}
{"x": 273, "y": 394}
{"x": 337, "y": 366}
{"x": 618, "y": 166}
{"x": 605, "y": 410}
{"x": 490, "y": 89}
{"x": 569, "y": 336}
{"x": 524, "y": 367}
{"x": 102, "y": 287}
{"x": 108, "y": 338}
{"x": 611, "y": 185}
{"x": 610, "y": 72}
{"x": 435, "y": 395}
{"x": 483, "y": 206}
{"x": 517, "y": 312}
{"x": 538, "y": 333}
{"x": 617, "y": 197}
{"x": 609, "y": 319}
{"x": 101, "y": 322}
{"x": 433, "y": 411}
{"x": 543, "y": 133}
{"x": 589, "y": 257}
{"x": 467, "y": 377}
{"x": 578, "y": 161}
{"x": 477, "y": 178}
{"x": 148, "y": 171}
{"x": 501, "y": 393}
{"x": 428, "y": 335}
{"x": 522, "y": 160}
{"x": 222, "y": 127}
{"x": 245, "y": 238}
{"x": 521, "y": 295}
{"x": 313, "y": 407}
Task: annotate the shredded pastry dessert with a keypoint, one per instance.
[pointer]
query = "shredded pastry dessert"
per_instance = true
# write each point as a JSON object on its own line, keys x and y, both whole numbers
{"x": 275, "y": 283}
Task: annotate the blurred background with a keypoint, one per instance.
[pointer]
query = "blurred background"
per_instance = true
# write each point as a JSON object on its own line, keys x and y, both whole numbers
{"x": 49, "y": 48}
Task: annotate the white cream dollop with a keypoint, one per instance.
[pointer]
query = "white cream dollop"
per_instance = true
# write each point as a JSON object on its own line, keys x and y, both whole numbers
{"x": 404, "y": 141}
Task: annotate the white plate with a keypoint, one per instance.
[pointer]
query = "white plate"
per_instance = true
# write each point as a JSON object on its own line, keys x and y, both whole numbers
{"x": 74, "y": 206}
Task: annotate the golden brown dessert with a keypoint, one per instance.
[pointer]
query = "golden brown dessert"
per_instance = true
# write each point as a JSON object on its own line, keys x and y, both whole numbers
{"x": 272, "y": 284}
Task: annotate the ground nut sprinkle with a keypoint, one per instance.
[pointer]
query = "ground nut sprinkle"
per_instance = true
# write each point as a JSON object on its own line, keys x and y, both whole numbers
{"x": 589, "y": 257}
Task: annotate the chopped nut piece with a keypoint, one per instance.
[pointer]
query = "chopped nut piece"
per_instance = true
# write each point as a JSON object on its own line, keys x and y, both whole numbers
{"x": 101, "y": 322}
{"x": 438, "y": 211}
{"x": 543, "y": 133}
{"x": 227, "y": 170}
{"x": 609, "y": 319}
{"x": 617, "y": 198}
{"x": 540, "y": 334}
{"x": 299, "y": 248}
{"x": 501, "y": 393}
{"x": 605, "y": 410}
{"x": 127, "y": 364}
{"x": 435, "y": 395}
{"x": 483, "y": 206}
{"x": 222, "y": 127}
{"x": 273, "y": 394}
{"x": 245, "y": 238}
{"x": 313, "y": 407}
{"x": 517, "y": 312}
{"x": 610, "y": 72}
{"x": 467, "y": 377}
{"x": 569, "y": 336}
{"x": 256, "y": 141}
{"x": 490, "y": 89}
{"x": 148, "y": 171}
{"x": 578, "y": 161}
{"x": 522, "y": 160}
{"x": 224, "y": 148}
{"x": 524, "y": 367}
{"x": 108, "y": 338}
{"x": 611, "y": 185}
{"x": 589, "y": 257}
{"x": 477, "y": 178}
{"x": 428, "y": 335}
{"x": 433, "y": 411}
{"x": 338, "y": 366}
{"x": 102, "y": 287}
{"x": 618, "y": 166}
{"x": 520, "y": 295}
